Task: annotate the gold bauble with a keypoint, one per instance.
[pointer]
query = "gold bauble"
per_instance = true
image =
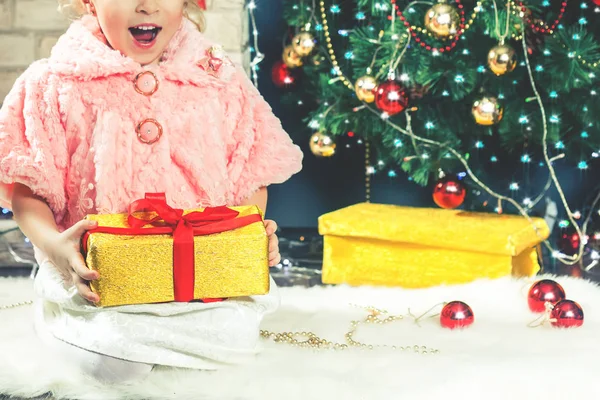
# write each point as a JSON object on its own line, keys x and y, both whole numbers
{"x": 487, "y": 111}
{"x": 322, "y": 145}
{"x": 365, "y": 87}
{"x": 442, "y": 20}
{"x": 291, "y": 58}
{"x": 303, "y": 44}
{"x": 502, "y": 59}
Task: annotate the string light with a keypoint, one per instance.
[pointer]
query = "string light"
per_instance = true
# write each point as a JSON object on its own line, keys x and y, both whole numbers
{"x": 259, "y": 56}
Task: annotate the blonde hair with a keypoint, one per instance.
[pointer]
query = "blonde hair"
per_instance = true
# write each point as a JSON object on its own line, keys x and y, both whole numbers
{"x": 74, "y": 9}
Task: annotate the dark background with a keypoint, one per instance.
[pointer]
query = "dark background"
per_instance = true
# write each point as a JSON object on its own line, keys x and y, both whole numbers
{"x": 328, "y": 184}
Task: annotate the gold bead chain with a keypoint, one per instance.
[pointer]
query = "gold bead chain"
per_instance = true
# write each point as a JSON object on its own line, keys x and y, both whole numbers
{"x": 311, "y": 340}
{"x": 332, "y": 57}
{"x": 367, "y": 172}
{"x": 15, "y": 305}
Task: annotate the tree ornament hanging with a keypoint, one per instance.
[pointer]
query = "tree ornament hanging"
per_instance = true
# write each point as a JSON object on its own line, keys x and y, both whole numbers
{"x": 303, "y": 44}
{"x": 487, "y": 111}
{"x": 365, "y": 88}
{"x": 322, "y": 145}
{"x": 502, "y": 59}
{"x": 442, "y": 20}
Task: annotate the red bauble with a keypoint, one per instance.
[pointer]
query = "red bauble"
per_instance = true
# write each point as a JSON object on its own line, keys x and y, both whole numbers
{"x": 569, "y": 242}
{"x": 282, "y": 75}
{"x": 456, "y": 314}
{"x": 566, "y": 314}
{"x": 449, "y": 193}
{"x": 596, "y": 2}
{"x": 543, "y": 291}
{"x": 391, "y": 97}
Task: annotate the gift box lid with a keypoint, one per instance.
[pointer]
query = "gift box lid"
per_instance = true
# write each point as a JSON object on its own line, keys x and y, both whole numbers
{"x": 450, "y": 229}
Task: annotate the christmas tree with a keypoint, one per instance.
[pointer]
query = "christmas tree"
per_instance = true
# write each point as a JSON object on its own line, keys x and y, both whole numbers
{"x": 452, "y": 93}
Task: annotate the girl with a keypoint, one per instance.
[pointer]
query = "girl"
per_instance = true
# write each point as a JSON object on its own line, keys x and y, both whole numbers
{"x": 135, "y": 99}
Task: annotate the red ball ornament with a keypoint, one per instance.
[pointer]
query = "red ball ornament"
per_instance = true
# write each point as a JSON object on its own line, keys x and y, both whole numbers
{"x": 449, "y": 193}
{"x": 566, "y": 314}
{"x": 543, "y": 291}
{"x": 391, "y": 97}
{"x": 282, "y": 75}
{"x": 596, "y": 2}
{"x": 569, "y": 242}
{"x": 456, "y": 314}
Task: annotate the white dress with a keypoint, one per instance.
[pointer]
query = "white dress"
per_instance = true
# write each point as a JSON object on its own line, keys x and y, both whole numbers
{"x": 188, "y": 335}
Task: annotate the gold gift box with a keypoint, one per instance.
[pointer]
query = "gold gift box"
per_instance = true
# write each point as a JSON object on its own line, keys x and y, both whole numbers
{"x": 138, "y": 269}
{"x": 376, "y": 244}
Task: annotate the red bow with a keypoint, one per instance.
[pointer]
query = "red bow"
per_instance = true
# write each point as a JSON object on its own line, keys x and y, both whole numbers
{"x": 202, "y": 4}
{"x": 184, "y": 228}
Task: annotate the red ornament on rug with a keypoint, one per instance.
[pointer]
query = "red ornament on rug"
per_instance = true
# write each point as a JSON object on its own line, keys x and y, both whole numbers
{"x": 391, "y": 97}
{"x": 566, "y": 314}
{"x": 456, "y": 314}
{"x": 449, "y": 193}
{"x": 544, "y": 291}
{"x": 282, "y": 75}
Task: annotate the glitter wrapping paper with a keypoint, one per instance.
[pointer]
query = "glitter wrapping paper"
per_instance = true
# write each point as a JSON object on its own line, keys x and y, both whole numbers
{"x": 139, "y": 269}
{"x": 376, "y": 244}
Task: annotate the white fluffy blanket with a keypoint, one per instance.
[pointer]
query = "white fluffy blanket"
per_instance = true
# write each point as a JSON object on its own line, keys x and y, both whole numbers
{"x": 498, "y": 357}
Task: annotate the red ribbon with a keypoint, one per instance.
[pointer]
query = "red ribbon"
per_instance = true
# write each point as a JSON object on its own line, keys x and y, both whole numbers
{"x": 183, "y": 228}
{"x": 202, "y": 4}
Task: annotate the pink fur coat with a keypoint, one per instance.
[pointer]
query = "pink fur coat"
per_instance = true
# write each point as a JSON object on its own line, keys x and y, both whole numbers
{"x": 68, "y": 129}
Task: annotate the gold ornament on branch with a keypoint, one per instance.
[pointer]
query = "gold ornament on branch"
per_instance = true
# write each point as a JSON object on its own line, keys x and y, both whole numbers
{"x": 291, "y": 58}
{"x": 303, "y": 44}
{"x": 502, "y": 59}
{"x": 487, "y": 111}
{"x": 365, "y": 88}
{"x": 322, "y": 145}
{"x": 442, "y": 20}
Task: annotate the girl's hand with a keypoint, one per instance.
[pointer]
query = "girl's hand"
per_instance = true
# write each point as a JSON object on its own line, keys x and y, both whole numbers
{"x": 63, "y": 252}
{"x": 274, "y": 256}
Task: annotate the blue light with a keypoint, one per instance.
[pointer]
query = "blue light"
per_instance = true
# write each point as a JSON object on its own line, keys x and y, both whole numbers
{"x": 349, "y": 55}
{"x": 445, "y": 93}
{"x": 582, "y": 21}
{"x": 333, "y": 71}
{"x": 546, "y": 3}
{"x": 343, "y": 32}
{"x": 583, "y": 5}
{"x": 481, "y": 69}
{"x": 429, "y": 125}
{"x": 584, "y": 135}
{"x": 553, "y": 94}
{"x": 494, "y": 159}
{"x": 335, "y": 9}
{"x": 554, "y": 119}
{"x": 525, "y": 158}
{"x": 563, "y": 224}
{"x": 360, "y": 15}
{"x": 501, "y": 96}
{"x": 559, "y": 145}
{"x": 585, "y": 109}
{"x": 459, "y": 78}
{"x": 547, "y": 52}
{"x": 523, "y": 119}
{"x": 398, "y": 143}
{"x": 576, "y": 36}
{"x": 5, "y": 211}
{"x": 539, "y": 68}
{"x": 582, "y": 165}
{"x": 466, "y": 52}
{"x": 318, "y": 27}
{"x": 479, "y": 144}
{"x": 392, "y": 174}
{"x": 514, "y": 186}
{"x": 461, "y": 175}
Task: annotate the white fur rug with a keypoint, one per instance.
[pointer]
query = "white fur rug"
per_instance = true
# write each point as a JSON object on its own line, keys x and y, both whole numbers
{"x": 498, "y": 357}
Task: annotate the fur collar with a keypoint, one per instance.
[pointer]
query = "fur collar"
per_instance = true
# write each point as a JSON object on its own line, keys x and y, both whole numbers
{"x": 83, "y": 53}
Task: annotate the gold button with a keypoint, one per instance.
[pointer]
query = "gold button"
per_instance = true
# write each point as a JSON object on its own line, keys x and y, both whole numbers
{"x": 149, "y": 131}
{"x": 146, "y": 83}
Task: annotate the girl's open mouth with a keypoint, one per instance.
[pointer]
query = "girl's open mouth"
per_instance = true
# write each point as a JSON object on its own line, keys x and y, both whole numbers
{"x": 145, "y": 35}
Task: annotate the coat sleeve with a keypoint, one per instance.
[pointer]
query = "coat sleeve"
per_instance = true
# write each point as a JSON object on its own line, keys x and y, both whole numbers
{"x": 260, "y": 152}
{"x": 33, "y": 148}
